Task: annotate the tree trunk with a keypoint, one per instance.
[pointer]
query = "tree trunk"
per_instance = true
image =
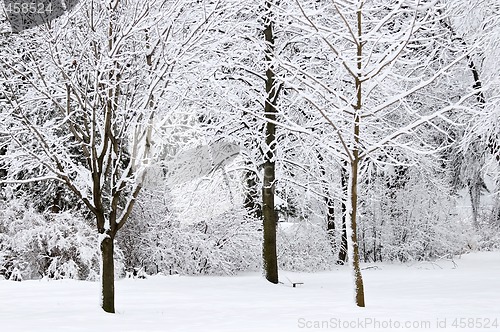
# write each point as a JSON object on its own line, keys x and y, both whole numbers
{"x": 358, "y": 279}
{"x": 343, "y": 242}
{"x": 108, "y": 275}
{"x": 268, "y": 209}
{"x": 269, "y": 214}
{"x": 330, "y": 217}
{"x": 330, "y": 205}
{"x": 474, "y": 189}
{"x": 359, "y": 288}
{"x": 475, "y": 200}
{"x": 3, "y": 172}
{"x": 250, "y": 201}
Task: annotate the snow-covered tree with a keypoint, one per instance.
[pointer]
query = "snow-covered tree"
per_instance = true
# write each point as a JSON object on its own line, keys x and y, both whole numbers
{"x": 80, "y": 107}
{"x": 377, "y": 56}
{"x": 475, "y": 26}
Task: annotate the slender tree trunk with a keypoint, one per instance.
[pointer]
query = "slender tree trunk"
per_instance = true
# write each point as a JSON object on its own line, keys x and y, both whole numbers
{"x": 358, "y": 279}
{"x": 474, "y": 186}
{"x": 250, "y": 201}
{"x": 497, "y": 204}
{"x": 3, "y": 172}
{"x": 330, "y": 217}
{"x": 343, "y": 242}
{"x": 268, "y": 208}
{"x": 250, "y": 176}
{"x": 108, "y": 275}
{"x": 330, "y": 205}
{"x": 475, "y": 199}
{"x": 359, "y": 288}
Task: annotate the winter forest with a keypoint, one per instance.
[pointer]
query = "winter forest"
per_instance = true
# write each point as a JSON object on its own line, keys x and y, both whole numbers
{"x": 209, "y": 138}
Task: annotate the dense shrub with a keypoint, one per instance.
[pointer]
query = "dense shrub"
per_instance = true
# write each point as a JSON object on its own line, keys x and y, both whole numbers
{"x": 304, "y": 246}
{"x": 46, "y": 245}
{"x": 225, "y": 244}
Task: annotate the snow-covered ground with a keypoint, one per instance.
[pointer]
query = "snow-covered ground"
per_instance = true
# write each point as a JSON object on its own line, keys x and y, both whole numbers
{"x": 427, "y": 296}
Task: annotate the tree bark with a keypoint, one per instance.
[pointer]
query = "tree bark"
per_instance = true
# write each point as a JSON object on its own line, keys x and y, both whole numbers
{"x": 359, "y": 287}
{"x": 269, "y": 217}
{"x": 108, "y": 275}
{"x": 268, "y": 208}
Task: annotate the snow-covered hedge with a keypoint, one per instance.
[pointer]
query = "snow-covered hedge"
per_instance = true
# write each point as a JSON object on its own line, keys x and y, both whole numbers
{"x": 304, "y": 246}
{"x": 46, "y": 245}
{"x": 225, "y": 244}
{"x": 409, "y": 218}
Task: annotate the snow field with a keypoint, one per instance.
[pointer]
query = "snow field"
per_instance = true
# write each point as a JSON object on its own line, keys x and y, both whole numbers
{"x": 459, "y": 295}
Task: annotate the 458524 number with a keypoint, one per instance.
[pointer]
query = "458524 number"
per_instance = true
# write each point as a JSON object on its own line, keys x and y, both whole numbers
{"x": 28, "y": 7}
{"x": 475, "y": 323}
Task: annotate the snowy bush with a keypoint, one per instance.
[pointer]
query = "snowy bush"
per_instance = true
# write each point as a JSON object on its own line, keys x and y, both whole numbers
{"x": 225, "y": 244}
{"x": 304, "y": 246}
{"x": 8, "y": 261}
{"x": 484, "y": 235}
{"x": 47, "y": 245}
{"x": 413, "y": 220}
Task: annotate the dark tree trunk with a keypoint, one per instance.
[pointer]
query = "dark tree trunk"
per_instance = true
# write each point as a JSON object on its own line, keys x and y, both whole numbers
{"x": 330, "y": 204}
{"x": 3, "y": 171}
{"x": 250, "y": 201}
{"x": 108, "y": 275}
{"x": 268, "y": 208}
{"x": 330, "y": 218}
{"x": 57, "y": 201}
{"x": 269, "y": 216}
